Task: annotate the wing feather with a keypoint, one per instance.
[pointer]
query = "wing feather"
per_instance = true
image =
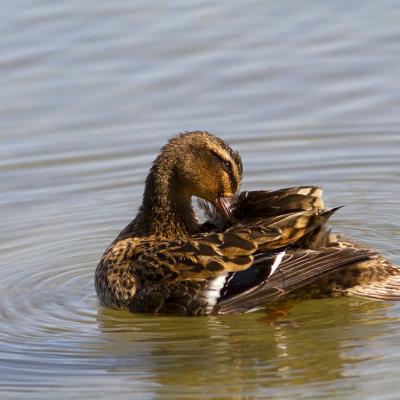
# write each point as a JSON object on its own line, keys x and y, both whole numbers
{"x": 298, "y": 269}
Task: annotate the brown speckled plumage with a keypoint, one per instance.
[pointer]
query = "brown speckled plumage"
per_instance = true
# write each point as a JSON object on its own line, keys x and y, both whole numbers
{"x": 274, "y": 244}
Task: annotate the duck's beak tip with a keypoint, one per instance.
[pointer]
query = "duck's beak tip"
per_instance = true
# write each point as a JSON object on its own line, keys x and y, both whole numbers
{"x": 223, "y": 206}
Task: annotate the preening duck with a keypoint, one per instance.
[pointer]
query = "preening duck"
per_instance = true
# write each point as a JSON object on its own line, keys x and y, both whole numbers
{"x": 255, "y": 248}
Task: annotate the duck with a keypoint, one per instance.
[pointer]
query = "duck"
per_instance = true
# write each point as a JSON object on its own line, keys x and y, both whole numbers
{"x": 255, "y": 247}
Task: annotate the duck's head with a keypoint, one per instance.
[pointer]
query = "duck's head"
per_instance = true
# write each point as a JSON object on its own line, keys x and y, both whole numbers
{"x": 201, "y": 164}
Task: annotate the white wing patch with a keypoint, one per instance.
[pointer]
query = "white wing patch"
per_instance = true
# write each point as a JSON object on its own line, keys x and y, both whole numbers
{"x": 212, "y": 292}
{"x": 278, "y": 260}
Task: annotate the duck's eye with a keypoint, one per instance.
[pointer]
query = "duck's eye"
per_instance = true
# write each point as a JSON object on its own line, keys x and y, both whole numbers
{"x": 227, "y": 165}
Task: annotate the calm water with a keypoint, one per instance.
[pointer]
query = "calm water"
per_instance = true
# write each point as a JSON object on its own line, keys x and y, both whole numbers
{"x": 307, "y": 91}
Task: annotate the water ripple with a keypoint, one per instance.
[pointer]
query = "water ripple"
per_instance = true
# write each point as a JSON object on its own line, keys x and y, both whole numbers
{"x": 89, "y": 95}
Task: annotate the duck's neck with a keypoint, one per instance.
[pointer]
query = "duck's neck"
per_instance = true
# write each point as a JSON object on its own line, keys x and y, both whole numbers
{"x": 166, "y": 210}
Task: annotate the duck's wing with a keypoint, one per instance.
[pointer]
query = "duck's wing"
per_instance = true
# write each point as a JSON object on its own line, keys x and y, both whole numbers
{"x": 264, "y": 204}
{"x": 283, "y": 273}
{"x": 192, "y": 276}
{"x": 293, "y": 226}
{"x": 267, "y": 204}
{"x": 299, "y": 212}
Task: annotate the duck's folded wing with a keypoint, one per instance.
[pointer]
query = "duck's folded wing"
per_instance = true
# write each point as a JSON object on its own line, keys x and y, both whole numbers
{"x": 295, "y": 270}
{"x": 293, "y": 226}
{"x": 266, "y": 204}
{"x": 297, "y": 212}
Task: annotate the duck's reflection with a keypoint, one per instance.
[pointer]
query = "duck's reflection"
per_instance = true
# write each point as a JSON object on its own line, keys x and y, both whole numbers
{"x": 246, "y": 353}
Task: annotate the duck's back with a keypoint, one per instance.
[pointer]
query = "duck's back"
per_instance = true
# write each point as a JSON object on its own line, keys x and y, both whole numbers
{"x": 375, "y": 277}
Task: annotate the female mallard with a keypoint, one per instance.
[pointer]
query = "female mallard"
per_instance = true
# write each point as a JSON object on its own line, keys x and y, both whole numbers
{"x": 256, "y": 248}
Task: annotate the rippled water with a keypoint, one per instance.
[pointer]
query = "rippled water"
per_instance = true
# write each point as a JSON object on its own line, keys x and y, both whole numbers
{"x": 307, "y": 91}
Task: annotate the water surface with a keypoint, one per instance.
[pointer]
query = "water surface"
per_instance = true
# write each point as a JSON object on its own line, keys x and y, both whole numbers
{"x": 307, "y": 91}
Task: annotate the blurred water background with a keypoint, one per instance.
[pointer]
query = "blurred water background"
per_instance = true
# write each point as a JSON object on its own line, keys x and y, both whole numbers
{"x": 307, "y": 91}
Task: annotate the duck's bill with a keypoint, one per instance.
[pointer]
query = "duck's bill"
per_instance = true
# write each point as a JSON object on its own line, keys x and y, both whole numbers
{"x": 223, "y": 206}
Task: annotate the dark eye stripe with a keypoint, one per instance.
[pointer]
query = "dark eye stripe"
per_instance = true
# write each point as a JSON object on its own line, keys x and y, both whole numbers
{"x": 236, "y": 180}
{"x": 228, "y": 164}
